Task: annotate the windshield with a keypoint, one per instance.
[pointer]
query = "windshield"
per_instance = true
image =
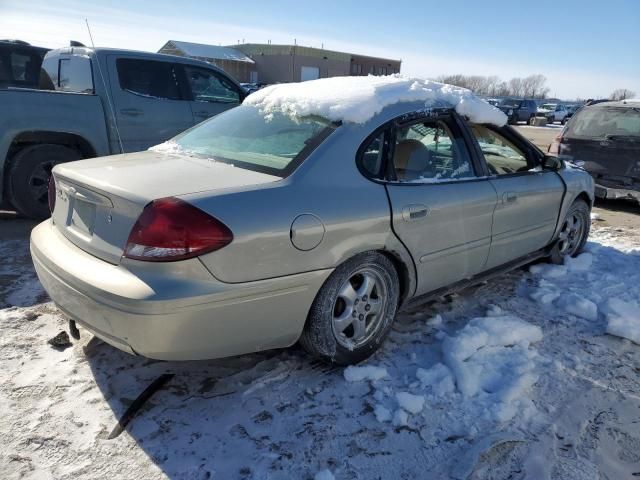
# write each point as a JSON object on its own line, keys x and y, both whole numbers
{"x": 602, "y": 122}
{"x": 243, "y": 136}
{"x": 510, "y": 102}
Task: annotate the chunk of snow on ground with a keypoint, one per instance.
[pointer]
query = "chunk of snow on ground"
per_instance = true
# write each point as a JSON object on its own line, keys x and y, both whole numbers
{"x": 490, "y": 357}
{"x": 494, "y": 311}
{"x": 324, "y": 475}
{"x": 368, "y": 372}
{"x": 409, "y": 402}
{"x": 544, "y": 296}
{"x": 623, "y": 319}
{"x": 595, "y": 216}
{"x": 548, "y": 271}
{"x": 435, "y": 321}
{"x": 581, "y": 263}
{"x": 579, "y": 306}
{"x": 400, "y": 418}
{"x": 358, "y": 99}
{"x": 382, "y": 413}
{"x": 438, "y": 377}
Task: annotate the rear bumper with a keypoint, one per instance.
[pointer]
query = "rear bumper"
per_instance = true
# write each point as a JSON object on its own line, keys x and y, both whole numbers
{"x": 171, "y": 311}
{"x": 617, "y": 193}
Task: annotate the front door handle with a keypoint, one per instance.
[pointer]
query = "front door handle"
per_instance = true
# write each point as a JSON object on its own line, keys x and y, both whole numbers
{"x": 415, "y": 211}
{"x": 509, "y": 197}
{"x": 131, "y": 112}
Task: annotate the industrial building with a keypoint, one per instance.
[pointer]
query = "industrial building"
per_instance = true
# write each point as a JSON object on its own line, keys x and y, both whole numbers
{"x": 267, "y": 63}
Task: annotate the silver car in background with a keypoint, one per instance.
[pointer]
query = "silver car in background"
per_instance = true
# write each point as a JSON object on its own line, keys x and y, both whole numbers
{"x": 253, "y": 231}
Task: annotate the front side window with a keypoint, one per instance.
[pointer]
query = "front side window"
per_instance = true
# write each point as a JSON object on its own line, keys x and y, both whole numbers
{"x": 243, "y": 136}
{"x": 148, "y": 78}
{"x": 208, "y": 86}
{"x": 429, "y": 152}
{"x": 502, "y": 156}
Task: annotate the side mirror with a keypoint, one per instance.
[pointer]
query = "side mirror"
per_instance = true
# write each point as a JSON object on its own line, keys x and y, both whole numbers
{"x": 551, "y": 162}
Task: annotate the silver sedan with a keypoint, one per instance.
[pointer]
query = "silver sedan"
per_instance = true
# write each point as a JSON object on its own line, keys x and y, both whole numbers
{"x": 253, "y": 231}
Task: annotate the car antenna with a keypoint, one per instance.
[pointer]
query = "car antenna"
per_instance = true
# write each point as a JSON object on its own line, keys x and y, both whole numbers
{"x": 106, "y": 89}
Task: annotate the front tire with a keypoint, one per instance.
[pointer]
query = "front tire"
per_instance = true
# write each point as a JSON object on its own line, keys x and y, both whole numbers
{"x": 573, "y": 232}
{"x": 353, "y": 311}
{"x": 29, "y": 174}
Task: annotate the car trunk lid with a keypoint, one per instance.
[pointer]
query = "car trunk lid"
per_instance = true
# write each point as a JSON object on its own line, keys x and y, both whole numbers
{"x": 99, "y": 200}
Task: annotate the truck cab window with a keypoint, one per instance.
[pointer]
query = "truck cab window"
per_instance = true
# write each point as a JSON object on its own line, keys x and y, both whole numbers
{"x": 148, "y": 78}
{"x": 74, "y": 75}
{"x": 208, "y": 86}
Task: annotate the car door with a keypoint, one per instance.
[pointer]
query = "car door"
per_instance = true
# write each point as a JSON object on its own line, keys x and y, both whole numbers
{"x": 529, "y": 197}
{"x": 211, "y": 92}
{"x": 441, "y": 209}
{"x": 149, "y": 104}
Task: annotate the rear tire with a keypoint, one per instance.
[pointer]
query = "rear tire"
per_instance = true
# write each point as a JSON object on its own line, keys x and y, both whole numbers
{"x": 353, "y": 311}
{"x": 573, "y": 232}
{"x": 28, "y": 177}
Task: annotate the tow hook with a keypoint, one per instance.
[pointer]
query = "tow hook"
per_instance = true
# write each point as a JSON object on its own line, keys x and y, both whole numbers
{"x": 73, "y": 330}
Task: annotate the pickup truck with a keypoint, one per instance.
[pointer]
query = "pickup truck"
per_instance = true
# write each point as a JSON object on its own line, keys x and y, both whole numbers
{"x": 97, "y": 101}
{"x": 553, "y": 112}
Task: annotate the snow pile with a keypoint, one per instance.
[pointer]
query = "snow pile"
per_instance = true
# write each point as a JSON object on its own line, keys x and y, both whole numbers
{"x": 623, "y": 319}
{"x": 409, "y": 402}
{"x": 490, "y": 358}
{"x": 324, "y": 475}
{"x": 358, "y": 99}
{"x": 438, "y": 377}
{"x": 367, "y": 372}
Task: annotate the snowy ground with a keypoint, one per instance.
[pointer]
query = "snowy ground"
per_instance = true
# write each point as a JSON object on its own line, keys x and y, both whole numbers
{"x": 514, "y": 379}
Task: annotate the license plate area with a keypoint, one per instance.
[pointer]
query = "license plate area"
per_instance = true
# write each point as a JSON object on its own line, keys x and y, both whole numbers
{"x": 83, "y": 217}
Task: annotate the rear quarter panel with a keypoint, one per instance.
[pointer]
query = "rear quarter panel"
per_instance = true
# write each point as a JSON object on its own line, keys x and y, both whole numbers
{"x": 353, "y": 210}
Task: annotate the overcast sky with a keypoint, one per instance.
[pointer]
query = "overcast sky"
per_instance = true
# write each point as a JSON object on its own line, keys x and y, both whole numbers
{"x": 585, "y": 48}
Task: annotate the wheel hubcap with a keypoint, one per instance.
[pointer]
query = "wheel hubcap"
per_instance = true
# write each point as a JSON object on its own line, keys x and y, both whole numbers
{"x": 359, "y": 308}
{"x": 571, "y": 234}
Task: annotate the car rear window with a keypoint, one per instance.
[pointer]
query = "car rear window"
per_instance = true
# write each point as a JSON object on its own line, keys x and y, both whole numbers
{"x": 601, "y": 122}
{"x": 270, "y": 143}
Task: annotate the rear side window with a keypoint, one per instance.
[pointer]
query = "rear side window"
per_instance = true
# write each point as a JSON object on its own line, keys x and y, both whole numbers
{"x": 429, "y": 152}
{"x": 19, "y": 68}
{"x": 599, "y": 122}
{"x": 148, "y": 78}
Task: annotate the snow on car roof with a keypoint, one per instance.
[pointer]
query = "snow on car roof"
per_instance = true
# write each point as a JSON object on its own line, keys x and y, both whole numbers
{"x": 358, "y": 99}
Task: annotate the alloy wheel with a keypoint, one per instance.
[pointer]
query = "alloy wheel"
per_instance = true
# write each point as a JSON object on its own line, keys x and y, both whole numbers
{"x": 571, "y": 234}
{"x": 359, "y": 308}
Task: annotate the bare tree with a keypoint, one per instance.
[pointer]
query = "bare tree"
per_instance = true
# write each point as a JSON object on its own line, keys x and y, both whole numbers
{"x": 533, "y": 86}
{"x": 621, "y": 94}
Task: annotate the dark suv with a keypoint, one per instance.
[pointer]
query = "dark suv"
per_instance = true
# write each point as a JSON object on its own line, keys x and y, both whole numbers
{"x": 518, "y": 110}
{"x": 605, "y": 140}
{"x": 20, "y": 64}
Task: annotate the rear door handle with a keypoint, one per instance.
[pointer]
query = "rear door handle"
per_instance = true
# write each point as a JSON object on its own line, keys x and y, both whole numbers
{"x": 131, "y": 112}
{"x": 509, "y": 197}
{"x": 415, "y": 211}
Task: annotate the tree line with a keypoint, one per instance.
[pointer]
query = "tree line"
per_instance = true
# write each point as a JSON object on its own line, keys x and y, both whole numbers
{"x": 533, "y": 86}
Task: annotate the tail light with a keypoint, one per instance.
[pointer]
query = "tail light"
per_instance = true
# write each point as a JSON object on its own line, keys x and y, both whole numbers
{"x": 554, "y": 147}
{"x": 170, "y": 229}
{"x": 52, "y": 193}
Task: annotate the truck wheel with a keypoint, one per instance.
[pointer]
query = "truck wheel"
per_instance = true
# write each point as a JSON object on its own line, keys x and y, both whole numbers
{"x": 573, "y": 232}
{"x": 353, "y": 311}
{"x": 29, "y": 174}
